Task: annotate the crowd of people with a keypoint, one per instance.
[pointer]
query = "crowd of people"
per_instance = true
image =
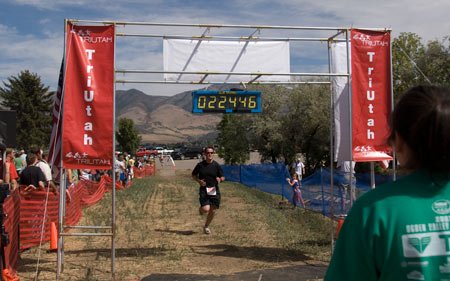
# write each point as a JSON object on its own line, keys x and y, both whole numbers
{"x": 125, "y": 165}
{"x": 32, "y": 170}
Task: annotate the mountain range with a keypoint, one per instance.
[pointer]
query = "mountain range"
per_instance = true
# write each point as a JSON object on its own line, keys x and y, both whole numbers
{"x": 167, "y": 119}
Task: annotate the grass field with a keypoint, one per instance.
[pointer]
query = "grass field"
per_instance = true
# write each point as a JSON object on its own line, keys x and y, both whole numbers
{"x": 159, "y": 230}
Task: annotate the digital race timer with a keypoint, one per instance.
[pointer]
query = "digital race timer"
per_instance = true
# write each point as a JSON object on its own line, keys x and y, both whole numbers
{"x": 226, "y": 101}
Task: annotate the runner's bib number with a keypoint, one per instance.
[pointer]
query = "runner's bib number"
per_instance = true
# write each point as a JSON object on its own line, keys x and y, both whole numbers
{"x": 211, "y": 190}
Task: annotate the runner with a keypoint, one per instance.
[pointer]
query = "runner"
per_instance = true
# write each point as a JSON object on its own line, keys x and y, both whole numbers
{"x": 209, "y": 174}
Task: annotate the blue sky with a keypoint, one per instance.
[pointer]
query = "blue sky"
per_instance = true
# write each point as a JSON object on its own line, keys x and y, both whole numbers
{"x": 32, "y": 31}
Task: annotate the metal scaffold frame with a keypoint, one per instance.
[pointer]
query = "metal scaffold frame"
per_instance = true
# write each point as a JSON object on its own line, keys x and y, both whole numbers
{"x": 335, "y": 34}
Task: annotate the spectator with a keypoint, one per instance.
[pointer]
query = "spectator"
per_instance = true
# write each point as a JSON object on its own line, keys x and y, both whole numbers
{"x": 400, "y": 230}
{"x": 96, "y": 175}
{"x": 71, "y": 180}
{"x": 131, "y": 167}
{"x": 348, "y": 173}
{"x": 72, "y": 177}
{"x": 138, "y": 164}
{"x": 126, "y": 157}
{"x": 11, "y": 175}
{"x": 117, "y": 168}
{"x": 299, "y": 168}
{"x": 23, "y": 155}
{"x": 120, "y": 169}
{"x": 45, "y": 167}
{"x": 161, "y": 160}
{"x": 32, "y": 176}
{"x": 85, "y": 174}
{"x": 124, "y": 168}
{"x": 101, "y": 173}
{"x": 295, "y": 184}
{"x": 19, "y": 162}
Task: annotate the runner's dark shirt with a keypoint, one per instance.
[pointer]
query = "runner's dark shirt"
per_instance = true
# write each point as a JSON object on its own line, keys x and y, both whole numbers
{"x": 208, "y": 172}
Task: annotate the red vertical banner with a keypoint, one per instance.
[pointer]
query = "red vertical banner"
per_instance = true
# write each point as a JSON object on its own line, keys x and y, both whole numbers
{"x": 88, "y": 98}
{"x": 371, "y": 95}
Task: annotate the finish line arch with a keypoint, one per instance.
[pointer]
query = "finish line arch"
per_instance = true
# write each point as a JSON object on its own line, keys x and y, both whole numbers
{"x": 240, "y": 45}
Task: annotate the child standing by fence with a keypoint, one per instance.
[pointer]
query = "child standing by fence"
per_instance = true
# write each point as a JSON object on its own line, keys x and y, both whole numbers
{"x": 295, "y": 183}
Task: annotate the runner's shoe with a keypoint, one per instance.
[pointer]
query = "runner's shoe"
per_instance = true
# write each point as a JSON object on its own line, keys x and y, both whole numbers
{"x": 206, "y": 230}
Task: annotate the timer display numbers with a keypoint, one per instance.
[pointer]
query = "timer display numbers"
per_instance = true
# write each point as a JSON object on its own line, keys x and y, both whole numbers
{"x": 226, "y": 102}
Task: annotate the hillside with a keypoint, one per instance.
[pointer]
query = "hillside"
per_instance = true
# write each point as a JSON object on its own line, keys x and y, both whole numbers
{"x": 166, "y": 119}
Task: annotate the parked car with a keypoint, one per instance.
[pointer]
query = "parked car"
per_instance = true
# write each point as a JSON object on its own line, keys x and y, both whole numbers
{"x": 163, "y": 151}
{"x": 142, "y": 151}
{"x": 177, "y": 154}
{"x": 187, "y": 152}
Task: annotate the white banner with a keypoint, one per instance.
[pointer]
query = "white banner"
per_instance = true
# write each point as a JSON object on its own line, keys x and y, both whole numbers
{"x": 225, "y": 56}
{"x": 340, "y": 91}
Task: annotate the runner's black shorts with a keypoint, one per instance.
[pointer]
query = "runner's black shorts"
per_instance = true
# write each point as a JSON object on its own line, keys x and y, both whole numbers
{"x": 212, "y": 200}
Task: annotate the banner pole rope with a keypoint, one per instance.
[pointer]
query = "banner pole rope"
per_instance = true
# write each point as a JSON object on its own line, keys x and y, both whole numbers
{"x": 42, "y": 235}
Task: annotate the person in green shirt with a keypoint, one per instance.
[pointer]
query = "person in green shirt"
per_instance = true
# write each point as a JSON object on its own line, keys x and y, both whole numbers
{"x": 18, "y": 162}
{"x": 400, "y": 230}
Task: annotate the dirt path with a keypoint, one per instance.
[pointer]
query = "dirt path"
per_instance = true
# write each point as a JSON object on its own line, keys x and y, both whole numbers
{"x": 163, "y": 236}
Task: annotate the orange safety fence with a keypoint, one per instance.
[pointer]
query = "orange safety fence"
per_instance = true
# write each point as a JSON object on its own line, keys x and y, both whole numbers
{"x": 25, "y": 212}
{"x": 32, "y": 215}
{"x": 148, "y": 170}
{"x": 11, "y": 224}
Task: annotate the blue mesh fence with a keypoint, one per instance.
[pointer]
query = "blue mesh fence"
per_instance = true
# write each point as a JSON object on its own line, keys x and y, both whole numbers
{"x": 269, "y": 178}
{"x": 316, "y": 189}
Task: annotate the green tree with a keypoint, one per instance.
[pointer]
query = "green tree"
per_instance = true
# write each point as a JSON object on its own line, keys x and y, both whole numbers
{"x": 267, "y": 132}
{"x": 435, "y": 62}
{"x": 406, "y": 49}
{"x": 262, "y": 131}
{"x": 127, "y": 136}
{"x": 33, "y": 103}
{"x": 292, "y": 121}
{"x": 414, "y": 63}
{"x": 307, "y": 125}
{"x": 233, "y": 139}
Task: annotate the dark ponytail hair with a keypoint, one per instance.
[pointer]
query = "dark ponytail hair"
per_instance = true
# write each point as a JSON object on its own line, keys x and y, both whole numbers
{"x": 31, "y": 158}
{"x": 422, "y": 118}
